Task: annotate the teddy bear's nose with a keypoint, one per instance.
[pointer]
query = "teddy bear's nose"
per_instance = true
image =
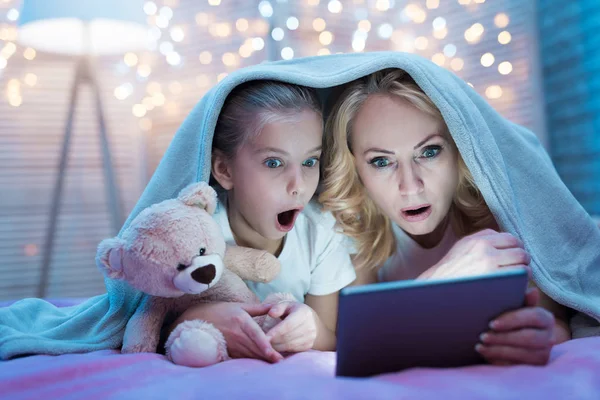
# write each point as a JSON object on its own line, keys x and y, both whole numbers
{"x": 205, "y": 274}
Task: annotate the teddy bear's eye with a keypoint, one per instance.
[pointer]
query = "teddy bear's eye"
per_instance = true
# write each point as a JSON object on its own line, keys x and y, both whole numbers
{"x": 202, "y": 251}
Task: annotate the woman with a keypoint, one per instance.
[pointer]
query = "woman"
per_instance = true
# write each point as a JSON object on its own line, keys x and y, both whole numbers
{"x": 397, "y": 185}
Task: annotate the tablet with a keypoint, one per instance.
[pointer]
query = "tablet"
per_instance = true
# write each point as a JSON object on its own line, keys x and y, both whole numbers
{"x": 388, "y": 327}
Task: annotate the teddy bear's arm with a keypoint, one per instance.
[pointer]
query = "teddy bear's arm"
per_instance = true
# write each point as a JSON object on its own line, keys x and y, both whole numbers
{"x": 143, "y": 329}
{"x": 251, "y": 264}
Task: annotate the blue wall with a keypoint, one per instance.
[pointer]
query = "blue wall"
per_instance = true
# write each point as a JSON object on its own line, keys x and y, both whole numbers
{"x": 570, "y": 57}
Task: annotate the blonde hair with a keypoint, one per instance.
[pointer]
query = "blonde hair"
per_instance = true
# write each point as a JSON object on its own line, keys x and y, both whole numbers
{"x": 346, "y": 197}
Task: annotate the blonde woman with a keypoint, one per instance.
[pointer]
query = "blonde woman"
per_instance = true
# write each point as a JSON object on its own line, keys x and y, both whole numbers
{"x": 399, "y": 188}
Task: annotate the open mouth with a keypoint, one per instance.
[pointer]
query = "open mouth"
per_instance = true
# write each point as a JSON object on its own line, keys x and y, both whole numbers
{"x": 413, "y": 214}
{"x": 286, "y": 219}
{"x": 417, "y": 211}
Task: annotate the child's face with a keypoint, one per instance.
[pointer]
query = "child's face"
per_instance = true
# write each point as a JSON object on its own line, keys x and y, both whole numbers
{"x": 276, "y": 174}
{"x": 407, "y": 166}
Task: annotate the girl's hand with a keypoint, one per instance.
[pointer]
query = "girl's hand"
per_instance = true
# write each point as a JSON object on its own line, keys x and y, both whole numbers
{"x": 298, "y": 330}
{"x": 245, "y": 339}
{"x": 523, "y": 336}
{"x": 480, "y": 253}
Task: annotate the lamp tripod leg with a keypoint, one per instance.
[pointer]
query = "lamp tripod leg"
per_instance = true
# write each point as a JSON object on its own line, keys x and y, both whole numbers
{"x": 112, "y": 190}
{"x": 58, "y": 188}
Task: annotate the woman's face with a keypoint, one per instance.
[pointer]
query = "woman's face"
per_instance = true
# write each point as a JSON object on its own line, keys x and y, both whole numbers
{"x": 405, "y": 162}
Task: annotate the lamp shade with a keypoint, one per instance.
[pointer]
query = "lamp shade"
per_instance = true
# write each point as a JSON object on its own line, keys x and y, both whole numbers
{"x": 78, "y": 27}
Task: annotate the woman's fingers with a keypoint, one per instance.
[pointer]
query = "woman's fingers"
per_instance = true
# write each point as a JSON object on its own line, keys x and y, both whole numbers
{"x": 525, "y": 338}
{"x": 500, "y": 240}
{"x": 508, "y": 354}
{"x": 529, "y": 317}
{"x": 512, "y": 256}
{"x": 532, "y": 297}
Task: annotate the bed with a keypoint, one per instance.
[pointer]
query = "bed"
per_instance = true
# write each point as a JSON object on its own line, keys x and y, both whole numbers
{"x": 573, "y": 373}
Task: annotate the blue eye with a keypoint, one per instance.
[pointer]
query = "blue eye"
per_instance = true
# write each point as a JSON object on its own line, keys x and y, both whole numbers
{"x": 430, "y": 151}
{"x": 380, "y": 162}
{"x": 272, "y": 163}
{"x": 311, "y": 162}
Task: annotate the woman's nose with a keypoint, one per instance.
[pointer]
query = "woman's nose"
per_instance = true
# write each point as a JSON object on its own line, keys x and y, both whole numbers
{"x": 409, "y": 181}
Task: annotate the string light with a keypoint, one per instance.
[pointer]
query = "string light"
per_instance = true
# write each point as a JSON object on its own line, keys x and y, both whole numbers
{"x": 258, "y": 44}
{"x": 432, "y": 4}
{"x": 242, "y": 24}
{"x": 501, "y": 20}
{"x": 287, "y": 53}
{"x": 505, "y": 68}
{"x": 487, "y": 59}
{"x": 326, "y": 38}
{"x": 292, "y": 23}
{"x": 493, "y": 92}
{"x": 449, "y": 50}
{"x": 335, "y": 7}
{"x": 421, "y": 43}
{"x": 457, "y": 64}
{"x": 385, "y": 31}
{"x": 150, "y": 8}
{"x": 12, "y": 14}
{"x": 439, "y": 59}
{"x": 139, "y": 110}
{"x": 364, "y": 25}
{"x": 504, "y": 37}
{"x": 177, "y": 34}
{"x": 29, "y": 54}
{"x": 205, "y": 57}
{"x": 440, "y": 33}
{"x": 130, "y": 59}
{"x": 265, "y": 9}
{"x": 30, "y": 79}
{"x": 277, "y": 34}
{"x": 382, "y": 5}
{"x": 230, "y": 59}
{"x": 144, "y": 71}
{"x": 319, "y": 24}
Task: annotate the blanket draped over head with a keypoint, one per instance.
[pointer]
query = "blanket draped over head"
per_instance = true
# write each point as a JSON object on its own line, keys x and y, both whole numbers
{"x": 510, "y": 167}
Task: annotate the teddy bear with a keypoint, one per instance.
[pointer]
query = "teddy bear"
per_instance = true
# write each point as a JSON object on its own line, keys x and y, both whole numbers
{"x": 175, "y": 252}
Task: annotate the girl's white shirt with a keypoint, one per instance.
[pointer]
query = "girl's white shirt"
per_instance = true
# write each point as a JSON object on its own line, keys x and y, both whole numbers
{"x": 315, "y": 258}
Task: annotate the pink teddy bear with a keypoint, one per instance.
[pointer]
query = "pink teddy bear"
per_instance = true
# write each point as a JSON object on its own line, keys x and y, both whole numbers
{"x": 175, "y": 252}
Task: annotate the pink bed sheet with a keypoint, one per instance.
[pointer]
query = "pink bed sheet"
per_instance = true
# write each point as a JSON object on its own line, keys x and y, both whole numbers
{"x": 573, "y": 373}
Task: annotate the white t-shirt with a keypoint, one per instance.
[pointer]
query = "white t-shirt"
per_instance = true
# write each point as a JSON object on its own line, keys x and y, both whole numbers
{"x": 314, "y": 259}
{"x": 410, "y": 259}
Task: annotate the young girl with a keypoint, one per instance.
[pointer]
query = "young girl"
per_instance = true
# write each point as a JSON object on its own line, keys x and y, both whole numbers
{"x": 266, "y": 151}
{"x": 398, "y": 186}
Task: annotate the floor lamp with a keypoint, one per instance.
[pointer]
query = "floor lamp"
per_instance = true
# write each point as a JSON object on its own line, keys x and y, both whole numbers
{"x": 83, "y": 29}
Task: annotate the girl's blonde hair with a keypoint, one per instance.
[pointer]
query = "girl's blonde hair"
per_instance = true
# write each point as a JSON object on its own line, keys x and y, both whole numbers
{"x": 346, "y": 197}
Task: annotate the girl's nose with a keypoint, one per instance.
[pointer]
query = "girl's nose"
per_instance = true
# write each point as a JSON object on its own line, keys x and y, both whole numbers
{"x": 296, "y": 182}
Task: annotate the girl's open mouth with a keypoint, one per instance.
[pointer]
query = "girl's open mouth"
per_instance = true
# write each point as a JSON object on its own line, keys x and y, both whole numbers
{"x": 416, "y": 214}
{"x": 286, "y": 219}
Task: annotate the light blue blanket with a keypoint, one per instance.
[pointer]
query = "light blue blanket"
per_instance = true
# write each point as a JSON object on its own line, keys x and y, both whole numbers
{"x": 508, "y": 163}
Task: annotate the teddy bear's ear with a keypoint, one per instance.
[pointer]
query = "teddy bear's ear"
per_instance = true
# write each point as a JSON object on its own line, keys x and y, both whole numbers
{"x": 109, "y": 257}
{"x": 199, "y": 194}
